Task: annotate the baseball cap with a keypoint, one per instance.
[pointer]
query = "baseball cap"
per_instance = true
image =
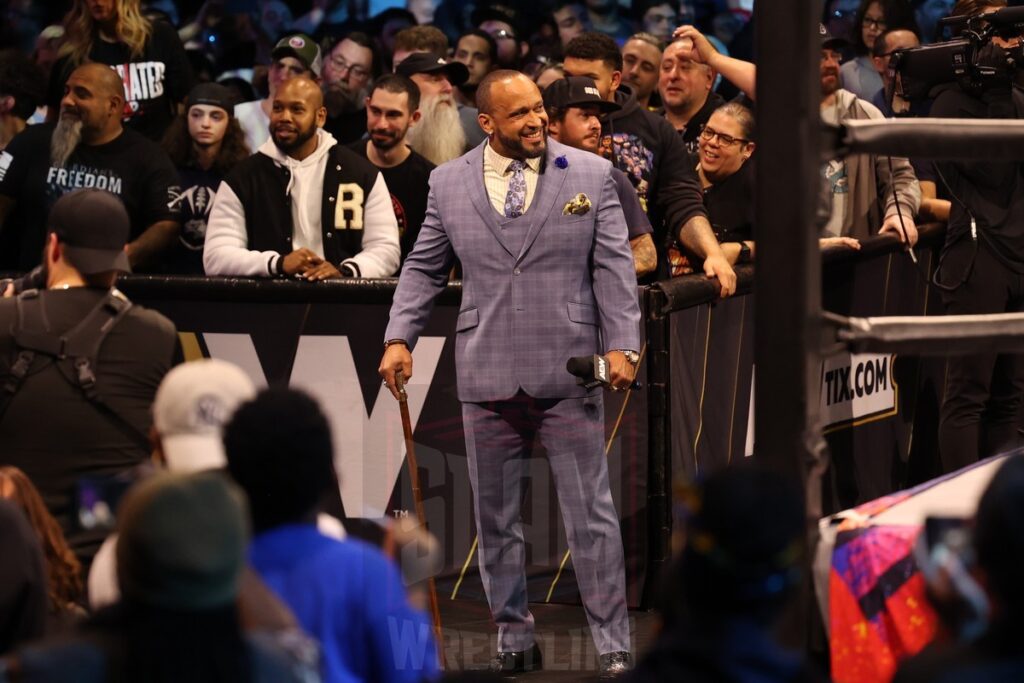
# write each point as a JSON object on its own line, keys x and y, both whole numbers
{"x": 93, "y": 227}
{"x": 212, "y": 94}
{"x": 830, "y": 42}
{"x": 576, "y": 91}
{"x": 192, "y": 404}
{"x": 429, "y": 63}
{"x": 303, "y": 48}
{"x": 182, "y": 541}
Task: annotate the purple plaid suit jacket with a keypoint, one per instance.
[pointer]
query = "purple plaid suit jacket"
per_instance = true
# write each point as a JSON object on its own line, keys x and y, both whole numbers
{"x": 570, "y": 291}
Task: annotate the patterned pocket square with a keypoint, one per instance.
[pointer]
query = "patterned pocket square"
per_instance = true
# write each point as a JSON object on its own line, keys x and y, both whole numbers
{"x": 577, "y": 206}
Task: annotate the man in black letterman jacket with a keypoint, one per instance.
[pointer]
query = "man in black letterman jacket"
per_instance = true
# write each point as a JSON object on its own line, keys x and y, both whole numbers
{"x": 303, "y": 205}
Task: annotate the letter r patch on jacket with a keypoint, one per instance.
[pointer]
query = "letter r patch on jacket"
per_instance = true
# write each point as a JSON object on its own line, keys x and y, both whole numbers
{"x": 350, "y": 199}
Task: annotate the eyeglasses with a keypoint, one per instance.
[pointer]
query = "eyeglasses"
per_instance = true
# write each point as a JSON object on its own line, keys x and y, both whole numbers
{"x": 658, "y": 18}
{"x": 868, "y": 22}
{"x": 502, "y": 33}
{"x": 707, "y": 133}
{"x": 344, "y": 67}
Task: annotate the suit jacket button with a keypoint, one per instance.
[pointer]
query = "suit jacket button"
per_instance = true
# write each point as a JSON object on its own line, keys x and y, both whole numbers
{"x": 516, "y": 271}
{"x": 330, "y": 235}
{"x": 330, "y": 199}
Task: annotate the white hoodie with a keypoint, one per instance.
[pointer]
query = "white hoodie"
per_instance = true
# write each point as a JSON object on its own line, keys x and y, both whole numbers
{"x": 226, "y": 250}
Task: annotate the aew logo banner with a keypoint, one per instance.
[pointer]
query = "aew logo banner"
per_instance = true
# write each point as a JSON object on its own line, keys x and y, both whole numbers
{"x": 856, "y": 389}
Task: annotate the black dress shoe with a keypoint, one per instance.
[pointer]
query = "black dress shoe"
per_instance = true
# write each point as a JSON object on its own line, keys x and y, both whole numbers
{"x": 614, "y": 664}
{"x": 517, "y": 662}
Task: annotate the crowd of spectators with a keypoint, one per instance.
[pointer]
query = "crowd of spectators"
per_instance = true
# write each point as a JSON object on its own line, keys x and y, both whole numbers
{"x": 273, "y": 139}
{"x": 200, "y": 80}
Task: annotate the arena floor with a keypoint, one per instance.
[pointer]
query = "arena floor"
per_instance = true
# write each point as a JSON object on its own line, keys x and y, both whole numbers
{"x": 561, "y": 630}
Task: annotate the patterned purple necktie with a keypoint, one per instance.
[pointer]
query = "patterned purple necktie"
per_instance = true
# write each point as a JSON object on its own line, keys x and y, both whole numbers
{"x": 515, "y": 200}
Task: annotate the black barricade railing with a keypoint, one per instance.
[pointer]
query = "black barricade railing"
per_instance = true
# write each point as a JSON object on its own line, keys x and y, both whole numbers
{"x": 256, "y": 290}
{"x": 688, "y": 291}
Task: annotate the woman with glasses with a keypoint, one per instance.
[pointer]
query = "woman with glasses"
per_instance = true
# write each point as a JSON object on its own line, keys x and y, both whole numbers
{"x": 873, "y": 18}
{"x": 726, "y": 144}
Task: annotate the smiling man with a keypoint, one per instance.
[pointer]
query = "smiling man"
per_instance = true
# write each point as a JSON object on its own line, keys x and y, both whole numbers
{"x": 87, "y": 147}
{"x": 392, "y": 109}
{"x": 547, "y": 275}
{"x": 303, "y": 205}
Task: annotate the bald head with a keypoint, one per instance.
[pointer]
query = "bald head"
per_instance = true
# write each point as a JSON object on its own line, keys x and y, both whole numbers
{"x": 501, "y": 78}
{"x": 304, "y": 88}
{"x": 105, "y": 80}
{"x": 296, "y": 112}
{"x": 889, "y": 42}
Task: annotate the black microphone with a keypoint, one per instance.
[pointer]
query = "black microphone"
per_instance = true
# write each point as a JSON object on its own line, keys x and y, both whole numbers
{"x": 593, "y": 371}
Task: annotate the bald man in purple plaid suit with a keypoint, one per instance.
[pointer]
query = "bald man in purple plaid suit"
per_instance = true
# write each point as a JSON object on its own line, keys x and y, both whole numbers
{"x": 547, "y": 275}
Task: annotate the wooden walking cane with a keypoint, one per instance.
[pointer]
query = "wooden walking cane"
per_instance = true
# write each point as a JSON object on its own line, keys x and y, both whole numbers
{"x": 417, "y": 497}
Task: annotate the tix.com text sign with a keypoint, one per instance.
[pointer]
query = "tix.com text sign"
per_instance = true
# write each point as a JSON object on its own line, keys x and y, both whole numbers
{"x": 857, "y": 388}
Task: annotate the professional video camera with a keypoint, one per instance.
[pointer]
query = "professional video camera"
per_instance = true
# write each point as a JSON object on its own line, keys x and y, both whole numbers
{"x": 969, "y": 60}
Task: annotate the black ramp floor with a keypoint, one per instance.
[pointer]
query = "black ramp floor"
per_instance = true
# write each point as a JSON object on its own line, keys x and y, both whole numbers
{"x": 561, "y": 631}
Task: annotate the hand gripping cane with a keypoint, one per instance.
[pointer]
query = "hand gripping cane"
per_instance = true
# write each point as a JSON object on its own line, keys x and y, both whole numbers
{"x": 414, "y": 476}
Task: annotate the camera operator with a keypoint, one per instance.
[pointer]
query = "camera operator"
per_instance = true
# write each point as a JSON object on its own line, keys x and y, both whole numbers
{"x": 982, "y": 266}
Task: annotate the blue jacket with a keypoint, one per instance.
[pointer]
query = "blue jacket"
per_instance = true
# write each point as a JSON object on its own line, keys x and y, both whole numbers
{"x": 350, "y": 597}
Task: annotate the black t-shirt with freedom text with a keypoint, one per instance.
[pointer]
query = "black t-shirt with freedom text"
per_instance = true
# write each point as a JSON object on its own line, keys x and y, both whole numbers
{"x": 408, "y": 183}
{"x": 154, "y": 81}
{"x": 130, "y": 166}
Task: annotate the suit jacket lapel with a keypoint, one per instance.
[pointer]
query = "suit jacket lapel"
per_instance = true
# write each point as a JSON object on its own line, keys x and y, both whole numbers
{"x": 478, "y": 194}
{"x": 548, "y": 186}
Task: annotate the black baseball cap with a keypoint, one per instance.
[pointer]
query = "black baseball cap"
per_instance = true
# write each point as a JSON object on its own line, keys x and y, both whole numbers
{"x": 93, "y": 227}
{"x": 830, "y": 42}
{"x": 576, "y": 91}
{"x": 211, "y": 94}
{"x": 430, "y": 63}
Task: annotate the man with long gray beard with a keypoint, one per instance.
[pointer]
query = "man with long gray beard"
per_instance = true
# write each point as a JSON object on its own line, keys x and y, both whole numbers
{"x": 439, "y": 136}
{"x": 87, "y": 148}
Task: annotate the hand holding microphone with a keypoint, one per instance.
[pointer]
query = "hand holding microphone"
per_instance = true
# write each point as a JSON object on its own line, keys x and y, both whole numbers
{"x": 613, "y": 371}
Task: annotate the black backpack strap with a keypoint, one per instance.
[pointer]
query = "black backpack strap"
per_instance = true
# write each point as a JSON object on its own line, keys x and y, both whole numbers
{"x": 30, "y": 315}
{"x": 82, "y": 343}
{"x": 75, "y": 352}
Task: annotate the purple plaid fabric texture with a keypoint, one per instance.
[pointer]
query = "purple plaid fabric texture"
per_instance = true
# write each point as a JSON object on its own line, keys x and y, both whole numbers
{"x": 515, "y": 200}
